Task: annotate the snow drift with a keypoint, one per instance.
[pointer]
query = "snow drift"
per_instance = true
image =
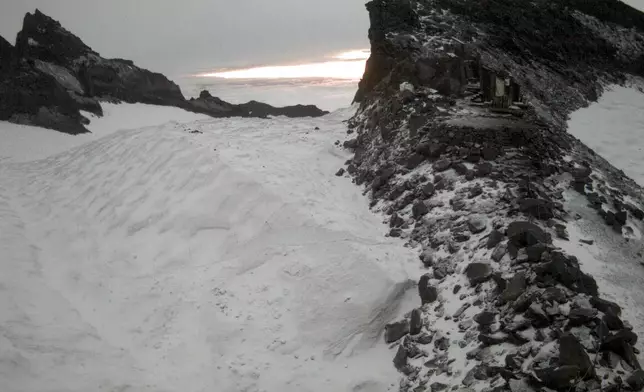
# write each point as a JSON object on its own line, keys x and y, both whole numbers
{"x": 216, "y": 255}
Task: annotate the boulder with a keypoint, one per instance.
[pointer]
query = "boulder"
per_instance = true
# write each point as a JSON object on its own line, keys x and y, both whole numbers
{"x": 535, "y": 251}
{"x": 566, "y": 270}
{"x": 442, "y": 165}
{"x": 538, "y": 208}
{"x": 516, "y": 286}
{"x": 477, "y": 223}
{"x": 485, "y": 318}
{"x": 419, "y": 209}
{"x": 581, "y": 316}
{"x": 427, "y": 293}
{"x": 494, "y": 239}
{"x": 524, "y": 234}
{"x": 559, "y": 378}
{"x": 605, "y": 306}
{"x": 573, "y": 353}
{"x": 416, "y": 322}
{"x": 478, "y": 273}
{"x": 396, "y": 331}
{"x": 400, "y": 359}
{"x": 636, "y": 380}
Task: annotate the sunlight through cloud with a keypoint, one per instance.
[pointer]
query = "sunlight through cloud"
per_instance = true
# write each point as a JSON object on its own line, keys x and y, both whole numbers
{"x": 348, "y": 65}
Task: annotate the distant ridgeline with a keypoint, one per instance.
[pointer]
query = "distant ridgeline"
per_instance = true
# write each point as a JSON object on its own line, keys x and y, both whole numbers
{"x": 50, "y": 75}
{"x": 460, "y": 139}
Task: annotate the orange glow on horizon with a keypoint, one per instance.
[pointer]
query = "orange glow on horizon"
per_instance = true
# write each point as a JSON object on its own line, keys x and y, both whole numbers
{"x": 348, "y": 65}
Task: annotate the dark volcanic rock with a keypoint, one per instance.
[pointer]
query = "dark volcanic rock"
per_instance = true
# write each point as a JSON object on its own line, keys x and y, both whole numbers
{"x": 605, "y": 306}
{"x": 572, "y": 353}
{"x": 396, "y": 331}
{"x": 494, "y": 239}
{"x": 540, "y": 209}
{"x": 416, "y": 322}
{"x": 515, "y": 288}
{"x": 485, "y": 318}
{"x": 478, "y": 273}
{"x": 427, "y": 293}
{"x": 636, "y": 380}
{"x": 566, "y": 270}
{"x": 581, "y": 316}
{"x": 559, "y": 378}
{"x": 419, "y": 209}
{"x": 476, "y": 224}
{"x": 525, "y": 234}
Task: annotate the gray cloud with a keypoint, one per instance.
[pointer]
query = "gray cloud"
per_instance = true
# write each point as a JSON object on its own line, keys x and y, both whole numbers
{"x": 182, "y": 36}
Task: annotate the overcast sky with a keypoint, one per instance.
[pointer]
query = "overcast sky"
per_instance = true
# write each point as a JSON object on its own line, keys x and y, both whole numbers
{"x": 183, "y": 36}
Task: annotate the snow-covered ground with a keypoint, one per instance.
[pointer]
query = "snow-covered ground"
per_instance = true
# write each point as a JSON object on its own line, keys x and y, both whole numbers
{"x": 165, "y": 259}
{"x": 614, "y": 128}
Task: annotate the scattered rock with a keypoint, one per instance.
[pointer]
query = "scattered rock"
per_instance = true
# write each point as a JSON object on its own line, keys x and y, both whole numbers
{"x": 340, "y": 172}
{"x": 396, "y": 220}
{"x": 416, "y": 322}
{"x": 437, "y": 387}
{"x": 419, "y": 209}
{"x": 499, "y": 252}
{"x": 428, "y": 189}
{"x": 460, "y": 311}
{"x": 566, "y": 271}
{"x": 515, "y": 288}
{"x": 414, "y": 160}
{"x": 538, "y": 208}
{"x": 539, "y": 318}
{"x": 573, "y": 353}
{"x": 460, "y": 168}
{"x": 456, "y": 289}
{"x": 478, "y": 273}
{"x": 587, "y": 242}
{"x": 400, "y": 360}
{"x": 494, "y": 239}
{"x": 621, "y": 217}
{"x": 525, "y": 234}
{"x": 477, "y": 224}
{"x": 613, "y": 322}
{"x": 485, "y": 318}
{"x": 535, "y": 251}
{"x": 483, "y": 169}
{"x": 581, "y": 316}
{"x": 441, "y": 165}
{"x": 428, "y": 294}
{"x": 559, "y": 378}
{"x": 605, "y": 306}
{"x": 396, "y": 331}
{"x": 636, "y": 380}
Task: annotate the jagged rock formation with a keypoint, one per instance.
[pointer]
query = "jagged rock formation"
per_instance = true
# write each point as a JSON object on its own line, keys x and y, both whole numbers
{"x": 50, "y": 75}
{"x": 462, "y": 143}
{"x": 206, "y": 103}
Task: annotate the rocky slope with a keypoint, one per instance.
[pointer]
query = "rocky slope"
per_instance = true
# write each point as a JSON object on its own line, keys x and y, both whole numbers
{"x": 50, "y": 75}
{"x": 462, "y": 143}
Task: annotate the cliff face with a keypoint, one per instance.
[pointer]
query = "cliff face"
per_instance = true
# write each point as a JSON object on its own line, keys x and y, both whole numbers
{"x": 461, "y": 141}
{"x": 50, "y": 75}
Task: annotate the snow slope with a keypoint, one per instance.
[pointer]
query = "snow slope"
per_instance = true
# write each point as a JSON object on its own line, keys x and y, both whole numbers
{"x": 614, "y": 127}
{"x": 163, "y": 259}
{"x": 27, "y": 143}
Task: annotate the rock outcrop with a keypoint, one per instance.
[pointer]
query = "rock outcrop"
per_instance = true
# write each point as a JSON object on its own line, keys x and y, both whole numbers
{"x": 51, "y": 75}
{"x": 463, "y": 110}
{"x": 207, "y": 104}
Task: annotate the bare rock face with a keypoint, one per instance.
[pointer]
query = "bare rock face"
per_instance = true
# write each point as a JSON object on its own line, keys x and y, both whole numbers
{"x": 51, "y": 75}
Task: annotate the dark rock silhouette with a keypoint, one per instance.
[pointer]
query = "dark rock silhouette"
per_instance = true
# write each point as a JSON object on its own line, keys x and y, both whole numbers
{"x": 51, "y": 74}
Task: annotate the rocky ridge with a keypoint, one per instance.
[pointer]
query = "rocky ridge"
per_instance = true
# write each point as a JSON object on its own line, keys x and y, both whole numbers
{"x": 483, "y": 192}
{"x": 50, "y": 75}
